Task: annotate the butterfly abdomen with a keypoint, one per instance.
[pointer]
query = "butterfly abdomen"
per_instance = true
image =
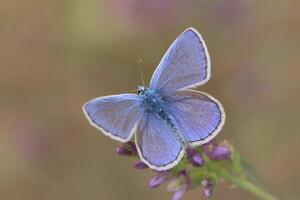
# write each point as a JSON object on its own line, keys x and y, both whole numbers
{"x": 165, "y": 117}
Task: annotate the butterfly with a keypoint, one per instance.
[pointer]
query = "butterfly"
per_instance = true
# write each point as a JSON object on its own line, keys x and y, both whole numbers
{"x": 167, "y": 117}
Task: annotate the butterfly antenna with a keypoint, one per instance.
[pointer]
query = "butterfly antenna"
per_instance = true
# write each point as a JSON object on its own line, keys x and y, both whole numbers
{"x": 129, "y": 91}
{"x": 141, "y": 71}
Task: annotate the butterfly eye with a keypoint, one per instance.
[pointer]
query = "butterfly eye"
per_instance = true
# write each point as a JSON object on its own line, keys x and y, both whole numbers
{"x": 141, "y": 90}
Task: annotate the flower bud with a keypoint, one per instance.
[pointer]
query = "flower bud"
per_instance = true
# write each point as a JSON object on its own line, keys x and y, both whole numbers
{"x": 208, "y": 187}
{"x": 220, "y": 153}
{"x": 140, "y": 165}
{"x": 217, "y": 152}
{"x": 128, "y": 149}
{"x": 123, "y": 151}
{"x": 158, "y": 180}
{"x": 194, "y": 157}
{"x": 209, "y": 147}
{"x": 178, "y": 195}
{"x": 179, "y": 185}
{"x": 176, "y": 184}
{"x": 132, "y": 147}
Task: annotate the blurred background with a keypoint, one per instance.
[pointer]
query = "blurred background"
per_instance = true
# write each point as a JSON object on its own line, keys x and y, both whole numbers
{"x": 56, "y": 55}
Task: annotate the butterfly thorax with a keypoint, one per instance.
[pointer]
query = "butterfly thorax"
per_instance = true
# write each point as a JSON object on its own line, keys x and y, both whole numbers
{"x": 152, "y": 102}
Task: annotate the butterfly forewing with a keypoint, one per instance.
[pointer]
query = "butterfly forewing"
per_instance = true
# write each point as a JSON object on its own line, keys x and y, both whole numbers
{"x": 115, "y": 115}
{"x": 184, "y": 65}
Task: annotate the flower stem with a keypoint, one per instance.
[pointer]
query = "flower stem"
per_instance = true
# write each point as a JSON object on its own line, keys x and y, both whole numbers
{"x": 247, "y": 185}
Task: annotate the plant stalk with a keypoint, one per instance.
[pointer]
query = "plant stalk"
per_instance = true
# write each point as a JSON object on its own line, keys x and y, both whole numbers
{"x": 247, "y": 185}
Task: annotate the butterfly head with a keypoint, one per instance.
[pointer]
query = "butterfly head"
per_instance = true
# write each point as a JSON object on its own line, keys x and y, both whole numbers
{"x": 142, "y": 90}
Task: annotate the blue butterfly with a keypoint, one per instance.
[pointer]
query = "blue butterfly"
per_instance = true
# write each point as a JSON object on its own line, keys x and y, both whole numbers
{"x": 166, "y": 117}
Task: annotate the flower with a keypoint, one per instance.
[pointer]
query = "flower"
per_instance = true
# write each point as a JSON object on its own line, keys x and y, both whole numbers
{"x": 194, "y": 157}
{"x": 158, "y": 179}
{"x": 185, "y": 177}
{"x": 208, "y": 186}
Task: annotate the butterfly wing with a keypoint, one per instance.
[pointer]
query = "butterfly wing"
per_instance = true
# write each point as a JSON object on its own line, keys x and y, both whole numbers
{"x": 157, "y": 144}
{"x": 184, "y": 65}
{"x": 198, "y": 116}
{"x": 116, "y": 115}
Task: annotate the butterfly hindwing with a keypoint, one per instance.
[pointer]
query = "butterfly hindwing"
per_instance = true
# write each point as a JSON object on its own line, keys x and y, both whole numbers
{"x": 185, "y": 64}
{"x": 198, "y": 116}
{"x": 156, "y": 143}
{"x": 116, "y": 115}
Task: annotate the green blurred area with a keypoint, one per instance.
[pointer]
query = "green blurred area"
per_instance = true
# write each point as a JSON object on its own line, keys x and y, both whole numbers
{"x": 56, "y": 55}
